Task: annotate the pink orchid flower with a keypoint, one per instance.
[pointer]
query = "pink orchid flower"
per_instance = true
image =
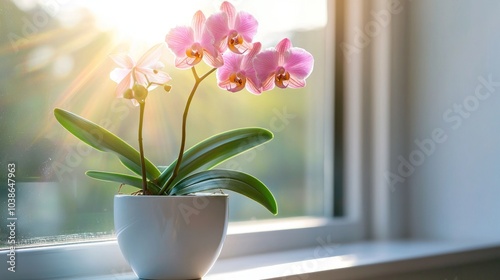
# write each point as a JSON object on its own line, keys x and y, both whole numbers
{"x": 283, "y": 66}
{"x": 238, "y": 72}
{"x": 232, "y": 30}
{"x": 145, "y": 72}
{"x": 192, "y": 44}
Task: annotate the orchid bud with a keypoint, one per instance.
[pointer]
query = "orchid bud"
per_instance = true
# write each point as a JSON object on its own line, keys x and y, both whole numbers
{"x": 167, "y": 88}
{"x": 140, "y": 92}
{"x": 128, "y": 94}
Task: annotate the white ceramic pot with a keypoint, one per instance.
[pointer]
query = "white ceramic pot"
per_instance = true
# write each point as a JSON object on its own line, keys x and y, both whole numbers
{"x": 171, "y": 237}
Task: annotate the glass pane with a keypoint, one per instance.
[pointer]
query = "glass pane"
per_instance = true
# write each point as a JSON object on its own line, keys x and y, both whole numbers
{"x": 56, "y": 54}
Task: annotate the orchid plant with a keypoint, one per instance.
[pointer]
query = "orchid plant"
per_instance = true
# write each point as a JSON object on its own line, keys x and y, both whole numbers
{"x": 224, "y": 41}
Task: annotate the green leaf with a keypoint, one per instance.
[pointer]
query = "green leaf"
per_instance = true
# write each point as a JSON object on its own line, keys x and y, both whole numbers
{"x": 236, "y": 181}
{"x": 122, "y": 179}
{"x": 215, "y": 150}
{"x": 105, "y": 141}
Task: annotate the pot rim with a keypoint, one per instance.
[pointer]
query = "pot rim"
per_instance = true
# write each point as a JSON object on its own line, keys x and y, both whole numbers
{"x": 176, "y": 196}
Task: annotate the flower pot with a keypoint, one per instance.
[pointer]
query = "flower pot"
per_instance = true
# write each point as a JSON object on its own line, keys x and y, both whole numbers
{"x": 171, "y": 237}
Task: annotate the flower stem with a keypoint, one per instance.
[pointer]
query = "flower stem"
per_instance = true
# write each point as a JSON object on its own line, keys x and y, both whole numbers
{"x": 197, "y": 82}
{"x": 141, "y": 148}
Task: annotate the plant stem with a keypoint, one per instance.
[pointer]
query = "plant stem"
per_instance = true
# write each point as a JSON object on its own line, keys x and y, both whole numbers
{"x": 141, "y": 149}
{"x": 197, "y": 82}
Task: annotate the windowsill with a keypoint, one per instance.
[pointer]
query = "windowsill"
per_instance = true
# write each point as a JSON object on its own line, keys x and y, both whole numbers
{"x": 356, "y": 260}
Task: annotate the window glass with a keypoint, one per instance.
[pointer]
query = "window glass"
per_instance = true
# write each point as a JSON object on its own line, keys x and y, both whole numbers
{"x": 56, "y": 54}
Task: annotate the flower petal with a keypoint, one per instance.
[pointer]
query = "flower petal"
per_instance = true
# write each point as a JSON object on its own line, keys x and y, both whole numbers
{"x": 247, "y": 61}
{"x": 246, "y": 25}
{"x": 224, "y": 84}
{"x": 267, "y": 84}
{"x": 158, "y": 65}
{"x": 265, "y": 64}
{"x": 125, "y": 84}
{"x": 155, "y": 76}
{"x": 231, "y": 65}
{"x": 118, "y": 74}
{"x": 140, "y": 78}
{"x": 179, "y": 39}
{"x": 207, "y": 43}
{"x": 152, "y": 56}
{"x": 230, "y": 11}
{"x": 253, "y": 85}
{"x": 182, "y": 62}
{"x": 294, "y": 82}
{"x": 198, "y": 24}
{"x": 299, "y": 63}
{"x": 123, "y": 60}
{"x": 215, "y": 61}
{"x": 217, "y": 25}
{"x": 283, "y": 46}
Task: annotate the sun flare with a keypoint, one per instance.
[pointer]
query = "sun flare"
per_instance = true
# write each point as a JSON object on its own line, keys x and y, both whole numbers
{"x": 140, "y": 21}
{"x": 148, "y": 21}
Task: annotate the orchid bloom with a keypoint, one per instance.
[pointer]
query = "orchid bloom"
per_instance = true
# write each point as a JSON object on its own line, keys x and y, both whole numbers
{"x": 144, "y": 73}
{"x": 232, "y": 30}
{"x": 283, "y": 66}
{"x": 192, "y": 44}
{"x": 238, "y": 72}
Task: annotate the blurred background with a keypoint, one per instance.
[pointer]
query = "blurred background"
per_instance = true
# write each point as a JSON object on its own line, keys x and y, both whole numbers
{"x": 56, "y": 54}
{"x": 420, "y": 82}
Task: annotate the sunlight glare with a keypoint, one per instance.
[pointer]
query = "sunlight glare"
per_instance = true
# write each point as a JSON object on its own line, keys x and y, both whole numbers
{"x": 150, "y": 20}
{"x": 145, "y": 20}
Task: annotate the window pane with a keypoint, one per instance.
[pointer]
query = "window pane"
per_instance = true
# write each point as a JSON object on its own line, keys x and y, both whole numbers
{"x": 56, "y": 54}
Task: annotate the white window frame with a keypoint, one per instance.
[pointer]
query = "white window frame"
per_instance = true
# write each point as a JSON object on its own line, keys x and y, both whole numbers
{"x": 244, "y": 238}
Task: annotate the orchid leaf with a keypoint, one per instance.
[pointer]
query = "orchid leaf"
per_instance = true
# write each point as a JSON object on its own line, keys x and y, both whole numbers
{"x": 215, "y": 150}
{"x": 105, "y": 141}
{"x": 122, "y": 179}
{"x": 236, "y": 181}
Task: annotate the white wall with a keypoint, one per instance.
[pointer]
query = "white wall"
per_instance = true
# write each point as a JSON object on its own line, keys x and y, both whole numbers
{"x": 455, "y": 192}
